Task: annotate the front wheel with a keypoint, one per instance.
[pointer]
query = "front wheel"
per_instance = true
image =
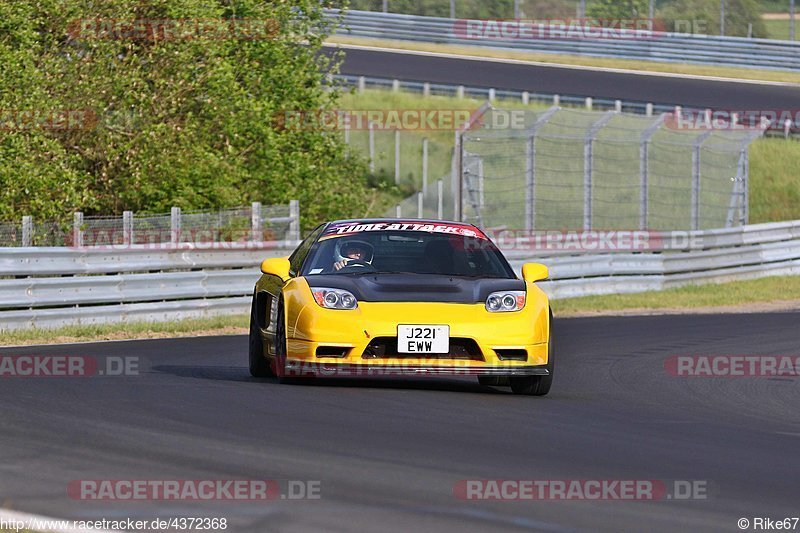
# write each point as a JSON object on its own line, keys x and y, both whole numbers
{"x": 259, "y": 366}
{"x": 537, "y": 385}
{"x": 280, "y": 351}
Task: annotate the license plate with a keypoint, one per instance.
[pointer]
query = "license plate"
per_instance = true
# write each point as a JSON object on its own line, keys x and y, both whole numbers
{"x": 417, "y": 338}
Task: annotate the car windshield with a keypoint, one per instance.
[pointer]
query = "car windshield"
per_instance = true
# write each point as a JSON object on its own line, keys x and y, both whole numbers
{"x": 414, "y": 248}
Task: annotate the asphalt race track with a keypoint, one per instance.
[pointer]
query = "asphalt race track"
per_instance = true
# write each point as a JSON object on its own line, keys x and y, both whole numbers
{"x": 388, "y": 452}
{"x": 702, "y": 93}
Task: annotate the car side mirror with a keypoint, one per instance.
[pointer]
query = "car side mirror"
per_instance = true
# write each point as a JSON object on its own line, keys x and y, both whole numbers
{"x": 276, "y": 266}
{"x": 533, "y": 272}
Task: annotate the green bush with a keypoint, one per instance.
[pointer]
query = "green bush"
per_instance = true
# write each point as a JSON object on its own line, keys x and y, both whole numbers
{"x": 180, "y": 122}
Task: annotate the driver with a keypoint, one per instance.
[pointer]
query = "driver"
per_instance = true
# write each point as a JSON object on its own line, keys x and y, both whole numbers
{"x": 352, "y": 250}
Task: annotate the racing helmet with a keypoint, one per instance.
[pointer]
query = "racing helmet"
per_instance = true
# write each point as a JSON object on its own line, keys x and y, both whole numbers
{"x": 344, "y": 245}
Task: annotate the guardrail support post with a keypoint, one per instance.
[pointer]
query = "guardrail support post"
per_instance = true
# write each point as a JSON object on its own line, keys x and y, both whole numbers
{"x": 294, "y": 225}
{"x": 255, "y": 222}
{"x": 556, "y": 99}
{"x": 618, "y": 106}
{"x": 175, "y": 226}
{"x": 127, "y": 228}
{"x": 492, "y": 95}
{"x": 419, "y": 204}
{"x": 362, "y": 83}
{"x": 395, "y": 85}
{"x": 460, "y": 91}
{"x": 424, "y": 165}
{"x": 648, "y": 109}
{"x": 27, "y": 230}
{"x": 397, "y": 157}
{"x": 426, "y": 89}
{"x": 77, "y": 230}
{"x": 589, "y": 103}
{"x": 398, "y": 212}
{"x": 526, "y": 97}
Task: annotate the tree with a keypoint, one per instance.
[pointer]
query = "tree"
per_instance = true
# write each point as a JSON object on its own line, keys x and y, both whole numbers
{"x": 179, "y": 121}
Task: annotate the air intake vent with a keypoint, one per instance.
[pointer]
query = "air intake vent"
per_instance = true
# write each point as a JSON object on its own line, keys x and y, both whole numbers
{"x": 512, "y": 354}
{"x": 332, "y": 351}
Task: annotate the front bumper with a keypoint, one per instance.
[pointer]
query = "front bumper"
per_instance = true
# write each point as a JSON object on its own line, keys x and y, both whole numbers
{"x": 329, "y": 369}
{"x": 311, "y": 327}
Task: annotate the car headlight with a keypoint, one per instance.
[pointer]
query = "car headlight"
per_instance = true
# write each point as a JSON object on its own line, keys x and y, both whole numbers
{"x": 334, "y": 298}
{"x": 502, "y": 301}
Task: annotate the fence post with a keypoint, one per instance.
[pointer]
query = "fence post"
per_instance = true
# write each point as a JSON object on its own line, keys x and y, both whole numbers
{"x": 746, "y": 198}
{"x": 588, "y": 162}
{"x": 371, "y": 129}
{"x": 127, "y": 228}
{"x": 459, "y": 177}
{"x": 530, "y": 179}
{"x": 294, "y": 225}
{"x": 419, "y": 204}
{"x": 530, "y": 168}
{"x": 27, "y": 230}
{"x": 696, "y": 146}
{"x": 644, "y": 170}
{"x": 175, "y": 225}
{"x": 255, "y": 222}
{"x": 440, "y": 199}
{"x": 424, "y": 165}
{"x": 77, "y": 230}
{"x": 397, "y": 157}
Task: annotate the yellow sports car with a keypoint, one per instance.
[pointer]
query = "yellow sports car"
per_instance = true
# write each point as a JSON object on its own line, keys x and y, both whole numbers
{"x": 401, "y": 297}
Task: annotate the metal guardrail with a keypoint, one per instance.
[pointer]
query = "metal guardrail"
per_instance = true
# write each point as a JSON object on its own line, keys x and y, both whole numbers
{"x": 657, "y": 46}
{"x": 51, "y": 287}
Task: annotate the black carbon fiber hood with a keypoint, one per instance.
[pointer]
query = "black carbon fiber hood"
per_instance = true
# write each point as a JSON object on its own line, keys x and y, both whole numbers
{"x": 416, "y": 287}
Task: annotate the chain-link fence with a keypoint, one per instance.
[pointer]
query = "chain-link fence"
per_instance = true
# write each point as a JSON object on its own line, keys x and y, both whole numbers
{"x": 573, "y": 169}
{"x": 254, "y": 223}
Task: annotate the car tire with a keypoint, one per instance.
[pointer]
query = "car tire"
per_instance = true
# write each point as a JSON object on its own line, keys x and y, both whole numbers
{"x": 280, "y": 352}
{"x": 537, "y": 385}
{"x": 259, "y": 366}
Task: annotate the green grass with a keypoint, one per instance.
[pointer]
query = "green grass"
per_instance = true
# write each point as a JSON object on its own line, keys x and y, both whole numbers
{"x": 774, "y": 180}
{"x": 779, "y": 29}
{"x": 219, "y": 325}
{"x": 736, "y": 293}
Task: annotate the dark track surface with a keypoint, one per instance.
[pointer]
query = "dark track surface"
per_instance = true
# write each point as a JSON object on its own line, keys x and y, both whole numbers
{"x": 722, "y": 95}
{"x": 388, "y": 452}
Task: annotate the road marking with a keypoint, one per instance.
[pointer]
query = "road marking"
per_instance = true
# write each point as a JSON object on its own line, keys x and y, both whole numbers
{"x": 561, "y": 66}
